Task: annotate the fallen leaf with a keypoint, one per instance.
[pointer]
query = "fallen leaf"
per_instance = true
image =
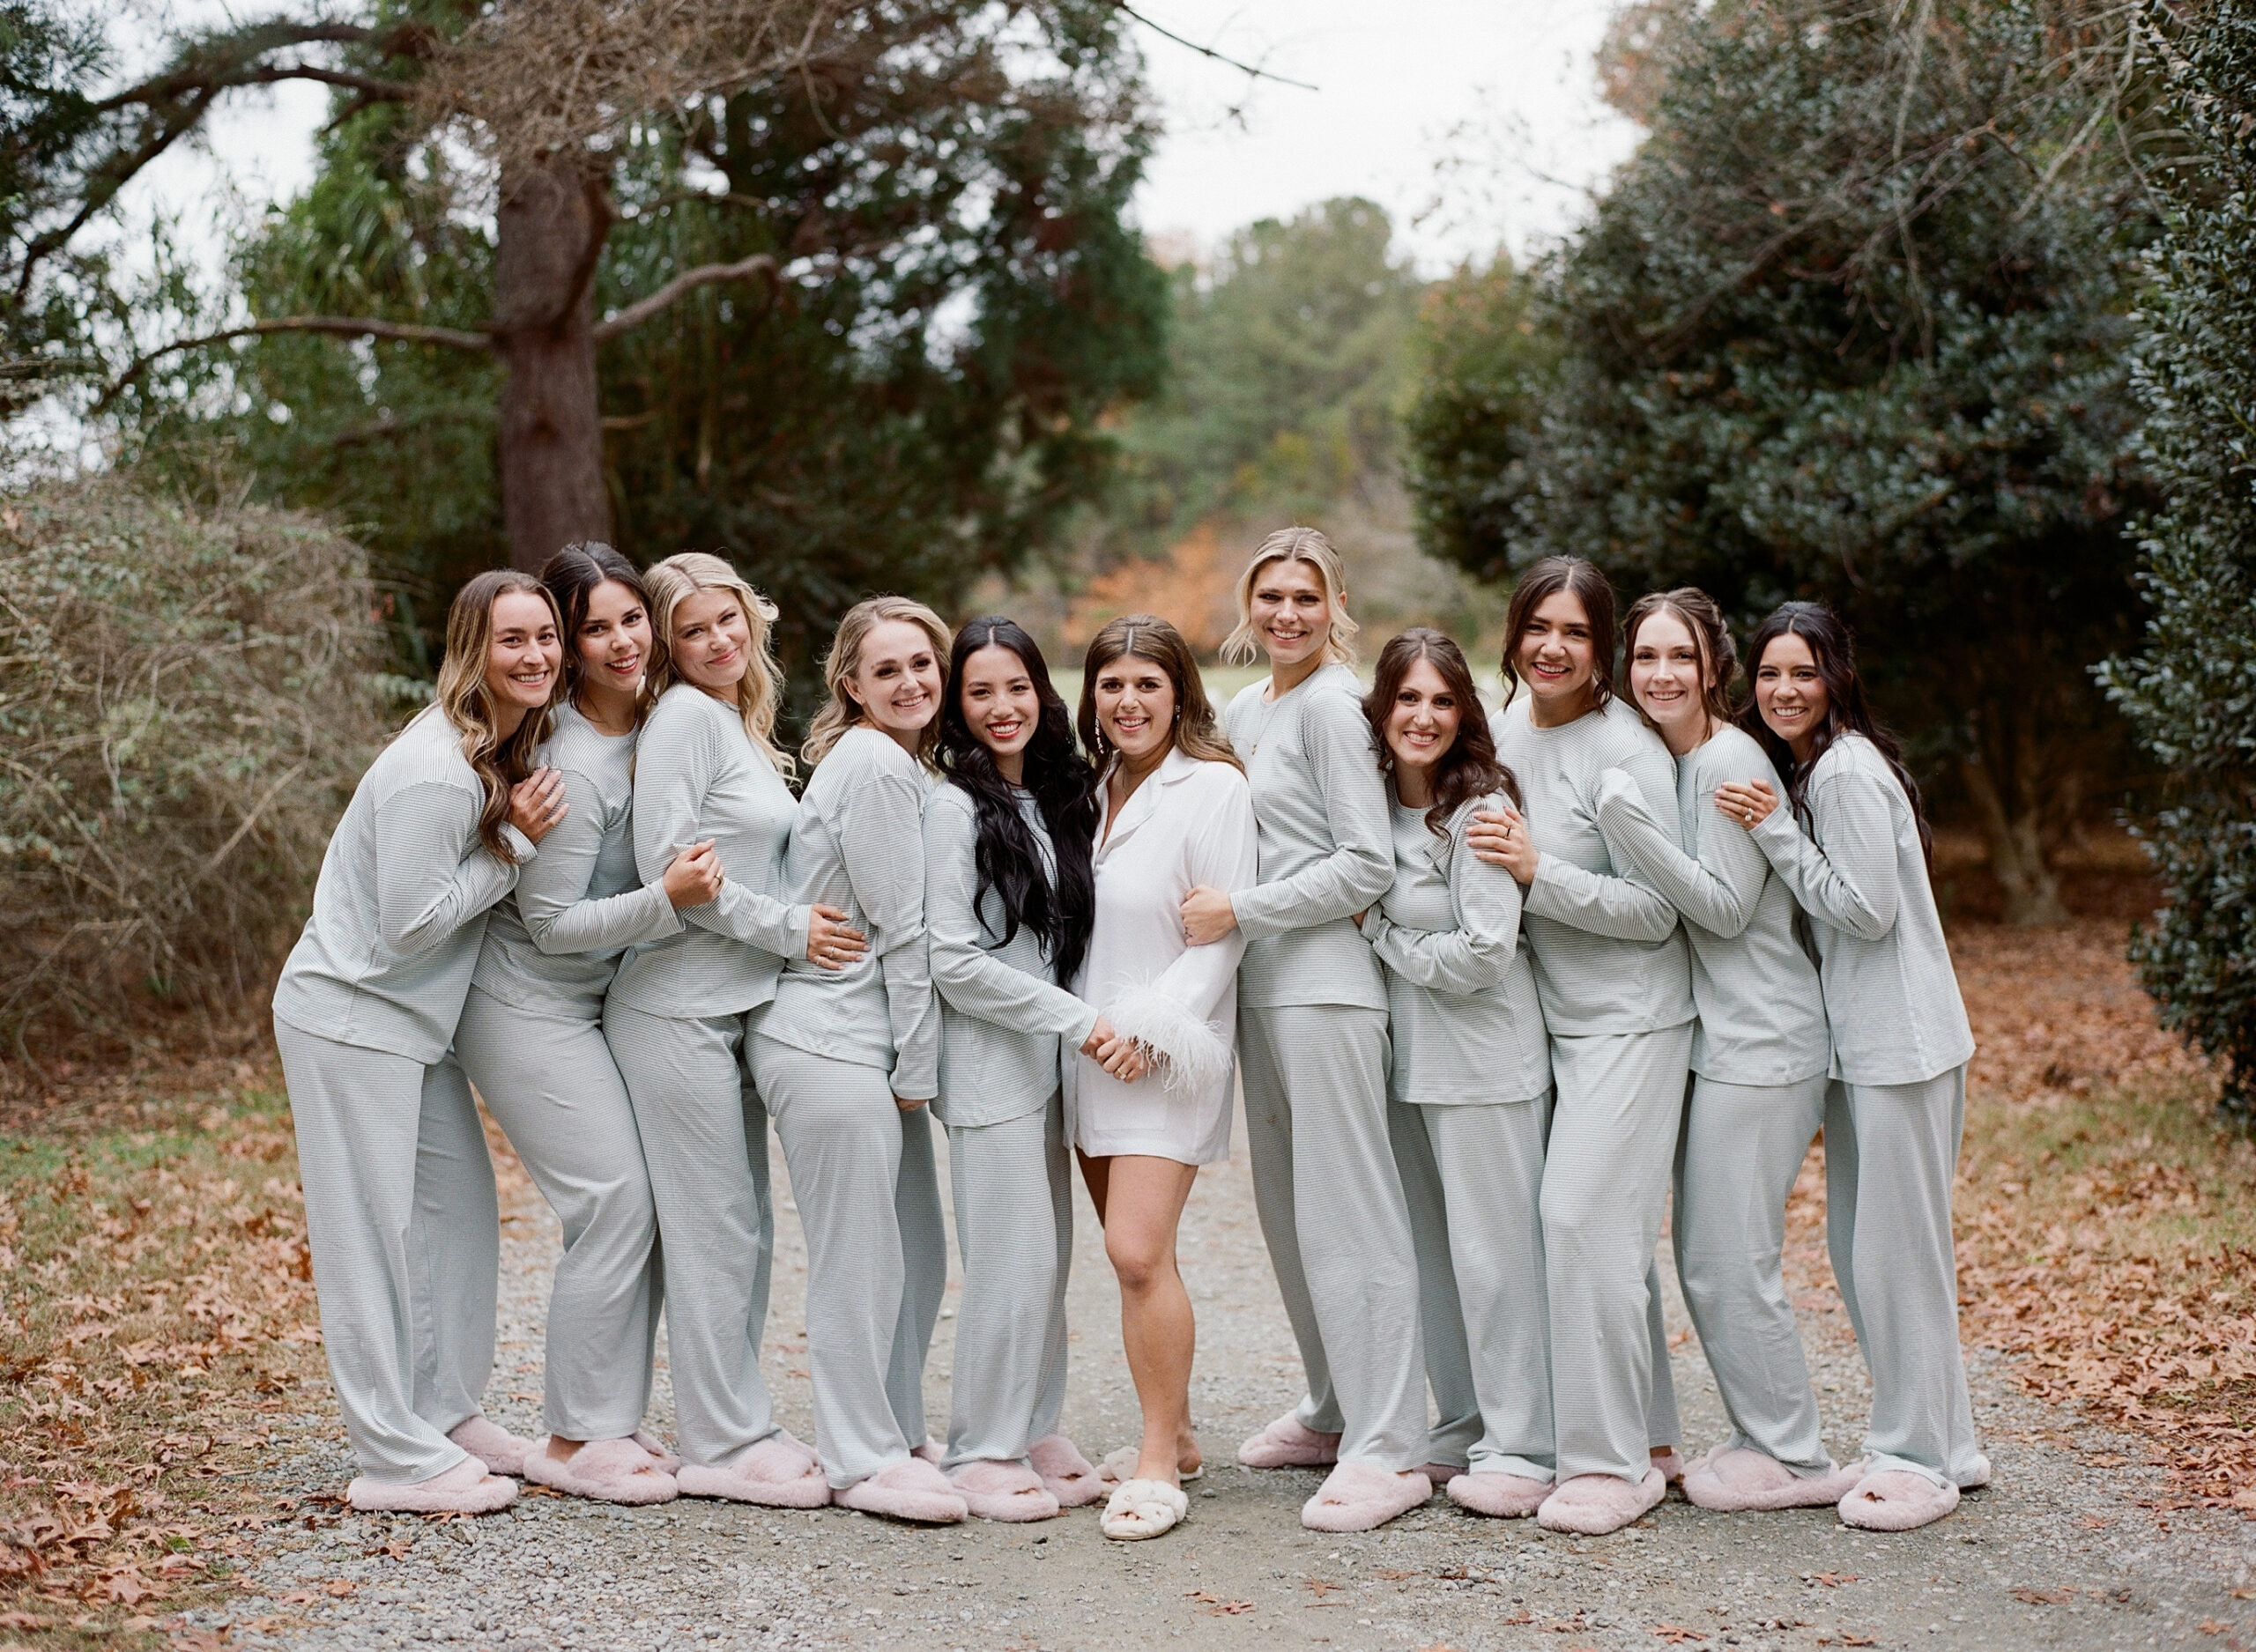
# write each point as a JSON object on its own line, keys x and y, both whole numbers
{"x": 1676, "y": 1633}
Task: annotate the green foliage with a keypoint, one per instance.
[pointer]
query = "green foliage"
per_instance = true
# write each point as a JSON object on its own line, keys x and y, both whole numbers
{"x": 185, "y": 705}
{"x": 2191, "y": 693}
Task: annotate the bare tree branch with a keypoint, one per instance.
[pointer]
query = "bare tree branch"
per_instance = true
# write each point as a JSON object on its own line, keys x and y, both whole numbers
{"x": 688, "y": 281}
{"x": 337, "y": 326}
{"x": 1248, "y": 70}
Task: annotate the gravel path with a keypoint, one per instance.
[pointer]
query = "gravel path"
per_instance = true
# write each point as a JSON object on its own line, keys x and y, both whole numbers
{"x": 2063, "y": 1551}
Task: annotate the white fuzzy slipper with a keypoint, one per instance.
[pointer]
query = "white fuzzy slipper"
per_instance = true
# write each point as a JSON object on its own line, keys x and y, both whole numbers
{"x": 1119, "y": 1468}
{"x": 1143, "y": 1508}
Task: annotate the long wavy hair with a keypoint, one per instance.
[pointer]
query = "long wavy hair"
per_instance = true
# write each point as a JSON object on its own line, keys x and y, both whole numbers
{"x": 842, "y": 711}
{"x": 1547, "y": 577}
{"x": 1470, "y": 768}
{"x": 462, "y": 699}
{"x": 1242, "y": 646}
{"x": 1698, "y": 614}
{"x": 759, "y": 694}
{"x": 1007, "y": 859}
{"x": 572, "y": 576}
{"x": 1194, "y": 731}
{"x": 1845, "y": 710}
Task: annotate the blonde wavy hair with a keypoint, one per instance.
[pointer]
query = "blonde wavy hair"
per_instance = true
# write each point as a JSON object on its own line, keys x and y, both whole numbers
{"x": 841, "y": 711}
{"x": 1242, "y": 646}
{"x": 759, "y": 692}
{"x": 462, "y": 699}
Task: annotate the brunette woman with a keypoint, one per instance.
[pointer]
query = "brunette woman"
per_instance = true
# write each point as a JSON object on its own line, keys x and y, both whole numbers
{"x": 1312, "y": 1033}
{"x": 1470, "y": 1088}
{"x": 1173, "y": 815}
{"x": 389, "y": 1146}
{"x": 1616, "y": 990}
{"x": 848, "y": 1060}
{"x": 677, "y": 1017}
{"x": 1854, "y": 851}
{"x": 1759, "y": 1055}
{"x": 1009, "y": 900}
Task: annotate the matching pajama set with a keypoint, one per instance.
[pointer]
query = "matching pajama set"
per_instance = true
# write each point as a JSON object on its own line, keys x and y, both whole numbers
{"x": 1313, "y": 1043}
{"x": 401, "y": 1213}
{"x": 1003, "y": 1020}
{"x": 1760, "y": 1052}
{"x": 830, "y": 1055}
{"x": 1896, "y": 1110}
{"x": 1470, "y": 1106}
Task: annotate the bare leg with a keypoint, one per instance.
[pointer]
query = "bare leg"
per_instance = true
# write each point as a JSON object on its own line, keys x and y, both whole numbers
{"x": 1141, "y": 1205}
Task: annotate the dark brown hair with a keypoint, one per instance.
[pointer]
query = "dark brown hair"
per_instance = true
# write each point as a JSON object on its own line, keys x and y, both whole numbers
{"x": 1148, "y": 637}
{"x": 572, "y": 576}
{"x": 1711, "y": 638}
{"x": 501, "y": 761}
{"x": 1470, "y": 768}
{"x": 1582, "y": 581}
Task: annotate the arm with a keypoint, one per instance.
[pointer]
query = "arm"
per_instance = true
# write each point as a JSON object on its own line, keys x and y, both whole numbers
{"x": 552, "y": 892}
{"x": 1471, "y": 958}
{"x": 971, "y": 979}
{"x": 1849, "y": 880}
{"x": 432, "y": 874}
{"x": 1625, "y": 909}
{"x": 1362, "y": 862}
{"x": 881, "y": 841}
{"x": 672, "y": 773}
{"x": 1718, "y": 891}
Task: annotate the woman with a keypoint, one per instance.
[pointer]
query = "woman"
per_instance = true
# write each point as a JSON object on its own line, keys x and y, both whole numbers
{"x": 531, "y": 1041}
{"x": 1009, "y": 900}
{"x": 1901, "y": 1043}
{"x": 1759, "y": 1055}
{"x": 1616, "y": 990}
{"x": 848, "y": 1060}
{"x": 1470, "y": 1089}
{"x": 1173, "y": 815}
{"x": 679, "y": 1017}
{"x": 1312, "y": 1032}
{"x": 389, "y": 1141}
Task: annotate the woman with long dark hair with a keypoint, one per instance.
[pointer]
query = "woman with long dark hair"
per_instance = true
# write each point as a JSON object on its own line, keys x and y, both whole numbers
{"x": 1759, "y": 1055}
{"x": 1852, "y": 849}
{"x": 1009, "y": 898}
{"x": 1469, "y": 1091}
{"x": 388, "y": 1140}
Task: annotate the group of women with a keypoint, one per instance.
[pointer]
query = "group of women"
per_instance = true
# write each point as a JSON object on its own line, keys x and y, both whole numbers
{"x": 1490, "y": 982}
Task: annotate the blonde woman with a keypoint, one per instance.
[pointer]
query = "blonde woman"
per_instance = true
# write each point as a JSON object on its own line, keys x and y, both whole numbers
{"x": 707, "y": 771}
{"x": 388, "y": 1135}
{"x": 1312, "y": 1032}
{"x": 849, "y": 1060}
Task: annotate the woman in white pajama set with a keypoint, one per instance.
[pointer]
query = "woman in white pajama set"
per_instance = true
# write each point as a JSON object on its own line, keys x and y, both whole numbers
{"x": 1616, "y": 987}
{"x": 847, "y": 1061}
{"x": 1470, "y": 1091}
{"x": 531, "y": 1042}
{"x": 1312, "y": 1039}
{"x": 1009, "y": 898}
{"x": 400, "y": 1206}
{"x": 1759, "y": 1057}
{"x": 679, "y": 1017}
{"x": 1901, "y": 1043}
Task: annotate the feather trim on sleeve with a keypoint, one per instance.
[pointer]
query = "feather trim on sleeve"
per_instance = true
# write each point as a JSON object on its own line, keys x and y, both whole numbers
{"x": 1196, "y": 1058}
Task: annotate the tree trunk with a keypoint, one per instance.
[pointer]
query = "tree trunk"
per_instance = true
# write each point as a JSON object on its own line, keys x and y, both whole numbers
{"x": 2032, "y": 892}
{"x": 551, "y": 224}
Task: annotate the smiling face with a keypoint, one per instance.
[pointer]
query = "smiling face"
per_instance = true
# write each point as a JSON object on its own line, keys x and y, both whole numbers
{"x": 896, "y": 678}
{"x": 524, "y": 656}
{"x": 1290, "y": 611}
{"x": 1554, "y": 654}
{"x": 1421, "y": 724}
{"x": 1790, "y": 692}
{"x": 712, "y": 642}
{"x": 1665, "y": 675}
{"x": 1135, "y": 707}
{"x": 614, "y": 639}
{"x": 1000, "y": 706}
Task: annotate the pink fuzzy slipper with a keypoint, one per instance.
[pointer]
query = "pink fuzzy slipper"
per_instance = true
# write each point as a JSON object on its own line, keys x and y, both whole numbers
{"x": 1743, "y": 1478}
{"x": 1362, "y": 1496}
{"x": 1671, "y": 1464}
{"x": 608, "y": 1470}
{"x": 1289, "y": 1443}
{"x": 1002, "y": 1491}
{"x": 500, "y": 1451}
{"x": 1441, "y": 1473}
{"x": 1500, "y": 1496}
{"x": 464, "y": 1489}
{"x": 1595, "y": 1504}
{"x": 778, "y": 1473}
{"x": 914, "y": 1490}
{"x": 667, "y": 1461}
{"x": 928, "y": 1452}
{"x": 1896, "y": 1499}
{"x": 1066, "y": 1475}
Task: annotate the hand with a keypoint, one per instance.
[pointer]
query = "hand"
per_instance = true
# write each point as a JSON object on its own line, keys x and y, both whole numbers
{"x": 905, "y": 1104}
{"x": 830, "y": 942}
{"x": 1207, "y": 917}
{"x": 1502, "y": 840}
{"x": 1126, "y": 1059}
{"x": 1749, "y": 802}
{"x": 1360, "y": 916}
{"x": 694, "y": 876}
{"x": 536, "y": 802}
{"x": 1099, "y": 1035}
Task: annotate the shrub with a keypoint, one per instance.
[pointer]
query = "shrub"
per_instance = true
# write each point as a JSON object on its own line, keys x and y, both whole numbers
{"x": 187, "y": 698}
